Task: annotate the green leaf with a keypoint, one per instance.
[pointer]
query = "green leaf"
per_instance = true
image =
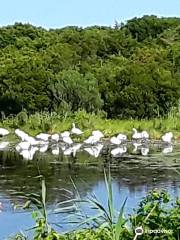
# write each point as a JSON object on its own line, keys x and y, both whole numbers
{"x": 120, "y": 221}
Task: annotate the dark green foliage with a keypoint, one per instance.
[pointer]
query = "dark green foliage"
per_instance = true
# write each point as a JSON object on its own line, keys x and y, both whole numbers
{"x": 129, "y": 71}
{"x": 79, "y": 91}
{"x": 155, "y": 214}
{"x": 150, "y": 26}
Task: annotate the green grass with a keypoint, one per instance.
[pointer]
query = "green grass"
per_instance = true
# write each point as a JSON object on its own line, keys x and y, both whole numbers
{"x": 52, "y": 123}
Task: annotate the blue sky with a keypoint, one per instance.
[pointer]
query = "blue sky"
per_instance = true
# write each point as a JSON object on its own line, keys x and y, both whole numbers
{"x": 59, "y": 13}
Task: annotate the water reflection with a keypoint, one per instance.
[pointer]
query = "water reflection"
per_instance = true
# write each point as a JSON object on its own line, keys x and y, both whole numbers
{"x": 167, "y": 149}
{"x": 118, "y": 150}
{"x": 145, "y": 148}
{"x": 95, "y": 150}
{"x": 134, "y": 173}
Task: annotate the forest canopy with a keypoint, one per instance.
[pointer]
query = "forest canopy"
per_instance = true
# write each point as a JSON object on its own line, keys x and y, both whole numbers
{"x": 130, "y": 70}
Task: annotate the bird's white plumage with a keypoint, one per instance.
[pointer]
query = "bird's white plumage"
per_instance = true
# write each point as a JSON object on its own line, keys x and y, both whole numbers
{"x": 97, "y": 133}
{"x": 89, "y": 140}
{"x": 43, "y": 136}
{"x": 92, "y": 139}
{"x": 140, "y": 135}
{"x": 67, "y": 140}
{"x": 3, "y": 145}
{"x": 167, "y": 137}
{"x": 65, "y": 134}
{"x": 76, "y": 130}
{"x": 145, "y": 135}
{"x": 21, "y": 134}
{"x": 122, "y": 137}
{"x": 136, "y": 134}
{"x": 3, "y": 132}
{"x": 115, "y": 140}
{"x": 55, "y": 137}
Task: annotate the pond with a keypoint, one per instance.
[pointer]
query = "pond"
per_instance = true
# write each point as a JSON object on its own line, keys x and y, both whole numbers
{"x": 134, "y": 174}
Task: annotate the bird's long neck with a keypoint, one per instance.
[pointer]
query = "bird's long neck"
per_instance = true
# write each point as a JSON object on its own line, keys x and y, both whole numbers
{"x": 135, "y": 131}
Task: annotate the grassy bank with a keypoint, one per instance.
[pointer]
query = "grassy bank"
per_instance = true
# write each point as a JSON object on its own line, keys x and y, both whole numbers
{"x": 52, "y": 123}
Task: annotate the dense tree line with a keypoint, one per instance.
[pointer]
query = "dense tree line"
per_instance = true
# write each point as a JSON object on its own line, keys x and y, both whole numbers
{"x": 130, "y": 70}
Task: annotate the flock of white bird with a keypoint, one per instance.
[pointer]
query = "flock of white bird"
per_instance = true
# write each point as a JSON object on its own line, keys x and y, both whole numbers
{"x": 93, "y": 144}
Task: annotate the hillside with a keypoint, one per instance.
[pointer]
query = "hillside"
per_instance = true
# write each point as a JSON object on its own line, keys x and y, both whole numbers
{"x": 129, "y": 71}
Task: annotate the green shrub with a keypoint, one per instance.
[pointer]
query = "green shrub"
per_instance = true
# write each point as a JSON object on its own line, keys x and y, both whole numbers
{"x": 22, "y": 118}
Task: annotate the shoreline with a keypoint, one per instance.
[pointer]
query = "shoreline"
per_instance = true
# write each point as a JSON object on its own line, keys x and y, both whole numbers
{"x": 46, "y": 123}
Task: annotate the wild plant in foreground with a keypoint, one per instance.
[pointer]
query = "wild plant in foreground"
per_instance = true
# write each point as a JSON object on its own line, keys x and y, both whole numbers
{"x": 37, "y": 203}
{"x": 111, "y": 222}
{"x": 154, "y": 214}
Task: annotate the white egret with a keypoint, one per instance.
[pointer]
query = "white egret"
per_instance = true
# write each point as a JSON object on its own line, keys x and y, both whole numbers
{"x": 75, "y": 130}
{"x": 32, "y": 140}
{"x": 3, "y": 132}
{"x": 115, "y": 140}
{"x": 67, "y": 140}
{"x": 21, "y": 134}
{"x": 92, "y": 139}
{"x": 122, "y": 137}
{"x": 65, "y": 134}
{"x": 167, "y": 137}
{"x": 43, "y": 136}
{"x": 136, "y": 134}
{"x": 96, "y": 136}
{"x": 145, "y": 135}
{"x": 3, "y": 145}
{"x": 97, "y": 133}
{"x": 89, "y": 140}
{"x": 55, "y": 137}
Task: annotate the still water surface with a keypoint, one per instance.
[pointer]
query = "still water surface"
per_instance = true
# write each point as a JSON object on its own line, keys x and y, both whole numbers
{"x": 133, "y": 176}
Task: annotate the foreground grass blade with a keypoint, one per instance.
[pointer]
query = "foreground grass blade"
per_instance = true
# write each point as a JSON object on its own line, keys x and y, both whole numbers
{"x": 109, "y": 195}
{"x": 120, "y": 221}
